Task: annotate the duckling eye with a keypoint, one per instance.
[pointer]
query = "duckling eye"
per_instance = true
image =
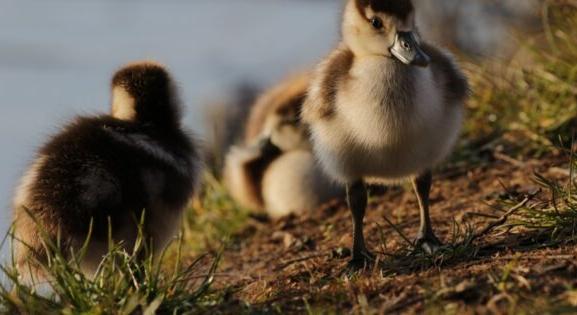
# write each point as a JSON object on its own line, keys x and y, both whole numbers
{"x": 377, "y": 23}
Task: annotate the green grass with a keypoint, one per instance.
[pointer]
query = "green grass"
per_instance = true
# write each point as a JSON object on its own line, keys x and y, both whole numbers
{"x": 523, "y": 105}
{"x": 123, "y": 284}
{"x": 214, "y": 217}
{"x": 552, "y": 221}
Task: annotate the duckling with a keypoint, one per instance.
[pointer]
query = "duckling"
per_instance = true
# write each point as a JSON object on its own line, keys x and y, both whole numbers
{"x": 110, "y": 171}
{"x": 384, "y": 107}
{"x": 274, "y": 169}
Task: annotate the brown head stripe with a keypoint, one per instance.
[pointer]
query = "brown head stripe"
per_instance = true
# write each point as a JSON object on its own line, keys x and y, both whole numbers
{"x": 398, "y": 8}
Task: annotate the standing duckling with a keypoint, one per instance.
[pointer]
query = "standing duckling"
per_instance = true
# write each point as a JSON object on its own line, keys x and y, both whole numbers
{"x": 110, "y": 171}
{"x": 274, "y": 170}
{"x": 384, "y": 107}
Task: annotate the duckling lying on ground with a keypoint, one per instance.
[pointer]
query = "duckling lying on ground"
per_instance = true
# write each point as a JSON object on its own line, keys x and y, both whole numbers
{"x": 384, "y": 107}
{"x": 275, "y": 170}
{"x": 110, "y": 170}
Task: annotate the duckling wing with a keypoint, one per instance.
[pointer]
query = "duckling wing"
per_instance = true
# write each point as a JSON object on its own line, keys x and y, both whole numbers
{"x": 84, "y": 175}
{"x": 283, "y": 100}
{"x": 446, "y": 71}
{"x": 322, "y": 94}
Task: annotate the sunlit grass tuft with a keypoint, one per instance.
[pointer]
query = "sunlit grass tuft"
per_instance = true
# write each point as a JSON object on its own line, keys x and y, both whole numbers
{"x": 525, "y": 104}
{"x": 409, "y": 258}
{"x": 125, "y": 283}
{"x": 552, "y": 221}
{"x": 214, "y": 217}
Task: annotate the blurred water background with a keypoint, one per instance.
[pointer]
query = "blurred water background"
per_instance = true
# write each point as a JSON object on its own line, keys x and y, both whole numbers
{"x": 57, "y": 56}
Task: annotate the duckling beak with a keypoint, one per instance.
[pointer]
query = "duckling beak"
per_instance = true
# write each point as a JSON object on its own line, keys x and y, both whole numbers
{"x": 406, "y": 49}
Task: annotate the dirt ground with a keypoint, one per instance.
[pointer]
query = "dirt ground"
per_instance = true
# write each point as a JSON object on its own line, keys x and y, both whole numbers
{"x": 295, "y": 265}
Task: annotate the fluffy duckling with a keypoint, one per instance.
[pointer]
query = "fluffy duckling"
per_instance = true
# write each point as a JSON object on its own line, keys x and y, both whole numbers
{"x": 110, "y": 169}
{"x": 275, "y": 170}
{"x": 384, "y": 107}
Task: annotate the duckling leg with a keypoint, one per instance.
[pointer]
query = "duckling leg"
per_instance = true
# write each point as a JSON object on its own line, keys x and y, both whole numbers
{"x": 357, "y": 201}
{"x": 426, "y": 238}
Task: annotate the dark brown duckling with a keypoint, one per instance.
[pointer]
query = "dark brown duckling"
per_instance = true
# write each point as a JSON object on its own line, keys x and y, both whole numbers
{"x": 110, "y": 170}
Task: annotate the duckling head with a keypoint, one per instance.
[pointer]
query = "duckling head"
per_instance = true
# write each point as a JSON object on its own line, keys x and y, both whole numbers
{"x": 383, "y": 28}
{"x": 144, "y": 92}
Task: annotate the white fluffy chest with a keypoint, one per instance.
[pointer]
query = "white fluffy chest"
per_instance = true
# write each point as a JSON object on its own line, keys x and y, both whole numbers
{"x": 379, "y": 133}
{"x": 379, "y": 111}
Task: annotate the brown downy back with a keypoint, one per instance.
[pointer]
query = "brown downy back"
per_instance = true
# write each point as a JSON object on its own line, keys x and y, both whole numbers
{"x": 283, "y": 100}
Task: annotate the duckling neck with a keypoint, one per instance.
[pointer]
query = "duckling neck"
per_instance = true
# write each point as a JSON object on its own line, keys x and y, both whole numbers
{"x": 387, "y": 81}
{"x": 165, "y": 116}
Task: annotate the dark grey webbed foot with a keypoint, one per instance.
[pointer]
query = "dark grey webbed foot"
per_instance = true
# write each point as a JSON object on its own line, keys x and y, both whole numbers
{"x": 357, "y": 201}
{"x": 357, "y": 264}
{"x": 426, "y": 239}
{"x": 429, "y": 243}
